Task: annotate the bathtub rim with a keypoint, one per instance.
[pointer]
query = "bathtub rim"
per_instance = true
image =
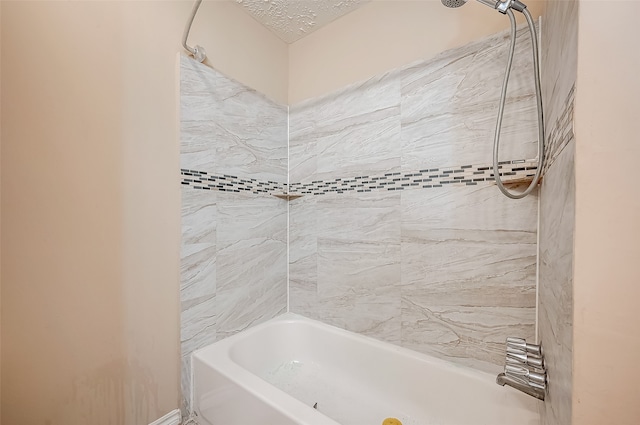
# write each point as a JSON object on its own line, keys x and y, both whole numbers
{"x": 290, "y": 317}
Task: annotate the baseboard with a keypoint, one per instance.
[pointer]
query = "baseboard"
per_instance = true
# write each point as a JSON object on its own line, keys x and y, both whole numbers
{"x": 171, "y": 418}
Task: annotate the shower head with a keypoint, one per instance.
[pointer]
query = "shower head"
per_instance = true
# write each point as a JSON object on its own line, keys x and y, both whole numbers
{"x": 453, "y": 3}
{"x": 457, "y": 3}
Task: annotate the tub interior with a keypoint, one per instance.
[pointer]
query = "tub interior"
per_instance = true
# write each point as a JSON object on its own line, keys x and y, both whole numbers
{"x": 339, "y": 396}
{"x": 357, "y": 380}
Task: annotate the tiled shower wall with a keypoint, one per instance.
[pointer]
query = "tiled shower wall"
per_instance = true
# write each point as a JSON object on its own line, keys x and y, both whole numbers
{"x": 401, "y": 233}
{"x": 234, "y": 233}
{"x": 557, "y": 206}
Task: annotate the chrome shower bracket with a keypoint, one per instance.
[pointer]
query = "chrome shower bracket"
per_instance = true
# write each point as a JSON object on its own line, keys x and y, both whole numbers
{"x": 503, "y": 6}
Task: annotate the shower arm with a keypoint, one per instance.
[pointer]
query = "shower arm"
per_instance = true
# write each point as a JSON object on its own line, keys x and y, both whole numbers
{"x": 197, "y": 52}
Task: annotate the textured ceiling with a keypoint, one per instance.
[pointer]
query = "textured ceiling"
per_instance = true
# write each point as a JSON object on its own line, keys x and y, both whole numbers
{"x": 293, "y": 19}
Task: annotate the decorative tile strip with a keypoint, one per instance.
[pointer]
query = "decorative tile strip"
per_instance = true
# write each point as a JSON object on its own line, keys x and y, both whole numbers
{"x": 227, "y": 183}
{"x": 561, "y": 133}
{"x": 428, "y": 178}
{"x": 469, "y": 175}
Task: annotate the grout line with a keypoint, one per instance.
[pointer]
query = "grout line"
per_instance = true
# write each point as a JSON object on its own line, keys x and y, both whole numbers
{"x": 537, "y": 319}
{"x": 288, "y": 282}
{"x": 191, "y": 384}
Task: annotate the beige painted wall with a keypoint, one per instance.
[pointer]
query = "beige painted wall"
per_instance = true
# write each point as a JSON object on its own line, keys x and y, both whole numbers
{"x": 607, "y": 277}
{"x": 383, "y": 35}
{"x": 239, "y": 47}
{"x": 90, "y": 200}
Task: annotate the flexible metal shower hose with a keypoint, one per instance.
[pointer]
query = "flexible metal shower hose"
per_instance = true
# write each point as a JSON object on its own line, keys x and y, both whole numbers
{"x": 496, "y": 140}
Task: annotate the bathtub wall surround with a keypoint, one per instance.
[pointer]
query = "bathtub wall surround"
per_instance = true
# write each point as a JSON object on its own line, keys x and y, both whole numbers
{"x": 401, "y": 234}
{"x": 557, "y": 207}
{"x": 234, "y": 233}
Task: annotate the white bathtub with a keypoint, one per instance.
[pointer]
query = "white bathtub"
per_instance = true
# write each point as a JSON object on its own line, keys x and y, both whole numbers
{"x": 273, "y": 374}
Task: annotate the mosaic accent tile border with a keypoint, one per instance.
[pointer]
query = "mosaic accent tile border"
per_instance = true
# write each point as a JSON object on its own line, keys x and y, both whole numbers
{"x": 227, "y": 183}
{"x": 469, "y": 175}
{"x": 561, "y": 133}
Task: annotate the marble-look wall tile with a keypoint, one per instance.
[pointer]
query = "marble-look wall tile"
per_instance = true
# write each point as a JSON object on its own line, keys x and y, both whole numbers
{"x": 449, "y": 105}
{"x": 345, "y": 262}
{"x": 303, "y": 254}
{"x": 252, "y": 261}
{"x": 358, "y": 287}
{"x": 559, "y": 57}
{"x": 354, "y": 131}
{"x": 227, "y": 128}
{"x": 557, "y": 221}
{"x": 234, "y": 267}
{"x": 448, "y": 270}
{"x": 468, "y": 273}
{"x": 557, "y": 206}
{"x": 471, "y": 336}
{"x": 244, "y": 216}
{"x": 197, "y": 278}
{"x": 559, "y": 67}
{"x": 234, "y": 253}
{"x": 559, "y": 132}
{"x": 434, "y": 113}
{"x": 365, "y": 217}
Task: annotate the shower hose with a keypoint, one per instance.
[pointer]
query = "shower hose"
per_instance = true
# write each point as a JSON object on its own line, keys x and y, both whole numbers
{"x": 496, "y": 140}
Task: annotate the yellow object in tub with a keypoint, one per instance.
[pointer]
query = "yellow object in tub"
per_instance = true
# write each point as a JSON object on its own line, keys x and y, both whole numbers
{"x": 391, "y": 421}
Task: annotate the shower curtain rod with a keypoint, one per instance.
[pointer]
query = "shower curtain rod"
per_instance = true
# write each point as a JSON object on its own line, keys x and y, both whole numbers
{"x": 197, "y": 52}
